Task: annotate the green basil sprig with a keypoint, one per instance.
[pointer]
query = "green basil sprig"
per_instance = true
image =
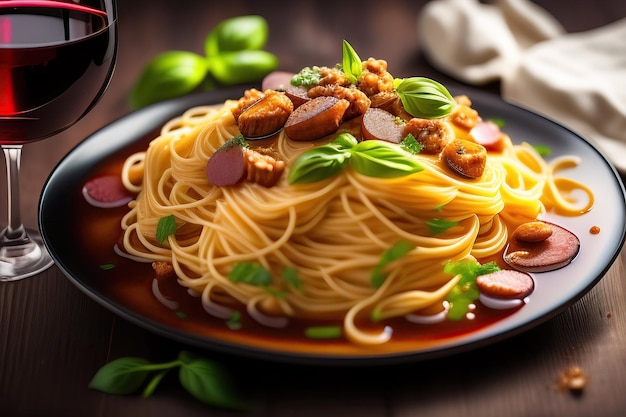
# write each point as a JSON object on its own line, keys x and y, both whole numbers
{"x": 372, "y": 158}
{"x": 233, "y": 55}
{"x": 322, "y": 162}
{"x": 383, "y": 160}
{"x": 207, "y": 381}
{"x": 351, "y": 63}
{"x": 423, "y": 97}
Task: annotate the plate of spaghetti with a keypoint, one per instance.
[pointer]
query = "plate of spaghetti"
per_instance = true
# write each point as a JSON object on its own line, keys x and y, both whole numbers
{"x": 335, "y": 215}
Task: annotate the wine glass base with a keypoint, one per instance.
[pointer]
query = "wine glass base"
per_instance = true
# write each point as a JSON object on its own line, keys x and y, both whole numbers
{"x": 24, "y": 260}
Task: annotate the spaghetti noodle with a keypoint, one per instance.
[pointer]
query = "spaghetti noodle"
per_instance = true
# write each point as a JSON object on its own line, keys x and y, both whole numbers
{"x": 320, "y": 242}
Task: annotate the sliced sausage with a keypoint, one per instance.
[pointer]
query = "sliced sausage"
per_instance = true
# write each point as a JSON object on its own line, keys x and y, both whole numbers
{"x": 297, "y": 95}
{"x": 489, "y": 135}
{"x": 316, "y": 118}
{"x": 106, "y": 191}
{"x": 556, "y": 251}
{"x": 227, "y": 166}
{"x": 277, "y": 80}
{"x": 505, "y": 283}
{"x": 265, "y": 116}
{"x": 379, "y": 124}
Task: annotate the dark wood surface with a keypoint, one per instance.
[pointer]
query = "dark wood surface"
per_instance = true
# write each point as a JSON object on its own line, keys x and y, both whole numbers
{"x": 53, "y": 337}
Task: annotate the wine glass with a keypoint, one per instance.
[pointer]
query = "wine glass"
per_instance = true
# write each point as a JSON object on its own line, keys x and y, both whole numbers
{"x": 56, "y": 60}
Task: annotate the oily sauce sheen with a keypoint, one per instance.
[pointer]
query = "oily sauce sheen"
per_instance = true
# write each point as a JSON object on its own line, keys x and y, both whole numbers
{"x": 129, "y": 284}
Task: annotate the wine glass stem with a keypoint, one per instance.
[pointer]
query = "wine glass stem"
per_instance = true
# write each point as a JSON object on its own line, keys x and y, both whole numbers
{"x": 15, "y": 230}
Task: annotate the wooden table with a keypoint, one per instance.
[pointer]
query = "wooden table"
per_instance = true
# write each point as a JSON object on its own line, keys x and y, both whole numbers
{"x": 53, "y": 337}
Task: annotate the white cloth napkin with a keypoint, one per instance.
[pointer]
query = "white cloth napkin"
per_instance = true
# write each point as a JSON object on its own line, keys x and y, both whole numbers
{"x": 577, "y": 79}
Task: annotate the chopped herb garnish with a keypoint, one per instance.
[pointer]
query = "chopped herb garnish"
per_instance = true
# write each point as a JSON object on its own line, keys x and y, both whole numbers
{"x": 181, "y": 315}
{"x": 498, "y": 122}
{"x": 465, "y": 291}
{"x": 307, "y": 77}
{"x": 275, "y": 293}
{"x": 250, "y": 273}
{"x": 394, "y": 253}
{"x": 411, "y": 145}
{"x": 438, "y": 226}
{"x": 106, "y": 267}
{"x": 323, "y": 332}
{"x": 165, "y": 227}
{"x": 238, "y": 140}
{"x": 542, "y": 150}
{"x": 234, "y": 321}
{"x": 290, "y": 275}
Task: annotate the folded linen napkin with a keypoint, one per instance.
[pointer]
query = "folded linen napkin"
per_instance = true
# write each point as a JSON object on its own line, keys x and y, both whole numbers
{"x": 576, "y": 79}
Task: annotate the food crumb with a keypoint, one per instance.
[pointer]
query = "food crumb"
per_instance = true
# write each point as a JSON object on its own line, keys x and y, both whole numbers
{"x": 572, "y": 379}
{"x": 609, "y": 315}
{"x": 594, "y": 230}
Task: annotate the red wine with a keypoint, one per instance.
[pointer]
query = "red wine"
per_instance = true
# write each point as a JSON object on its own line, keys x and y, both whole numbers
{"x": 56, "y": 60}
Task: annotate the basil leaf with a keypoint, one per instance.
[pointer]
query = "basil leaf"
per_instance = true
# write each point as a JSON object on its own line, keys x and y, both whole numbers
{"x": 465, "y": 292}
{"x": 121, "y": 376}
{"x": 239, "y": 67}
{"x": 170, "y": 74}
{"x": 383, "y": 160}
{"x": 322, "y": 162}
{"x": 237, "y": 34}
{"x": 423, "y": 97}
{"x": 209, "y": 383}
{"x": 351, "y": 63}
{"x": 165, "y": 227}
{"x": 344, "y": 141}
{"x": 250, "y": 273}
{"x": 394, "y": 253}
{"x": 438, "y": 226}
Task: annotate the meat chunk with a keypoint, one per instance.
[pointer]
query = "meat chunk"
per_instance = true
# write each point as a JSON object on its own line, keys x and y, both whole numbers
{"x": 434, "y": 134}
{"x": 390, "y": 101}
{"x": 265, "y": 116}
{"x": 375, "y": 78}
{"x": 359, "y": 102}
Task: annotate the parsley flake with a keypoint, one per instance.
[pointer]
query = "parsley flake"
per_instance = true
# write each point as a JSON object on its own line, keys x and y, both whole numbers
{"x": 438, "y": 226}
{"x": 165, "y": 228}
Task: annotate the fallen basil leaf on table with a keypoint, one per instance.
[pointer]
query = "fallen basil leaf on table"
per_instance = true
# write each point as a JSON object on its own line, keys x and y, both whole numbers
{"x": 208, "y": 382}
{"x": 121, "y": 376}
{"x": 203, "y": 379}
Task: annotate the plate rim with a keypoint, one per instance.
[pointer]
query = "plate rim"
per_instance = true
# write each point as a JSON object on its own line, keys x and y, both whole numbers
{"x": 171, "y": 108}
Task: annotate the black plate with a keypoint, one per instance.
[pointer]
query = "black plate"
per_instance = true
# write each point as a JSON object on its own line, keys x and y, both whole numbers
{"x": 63, "y": 212}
